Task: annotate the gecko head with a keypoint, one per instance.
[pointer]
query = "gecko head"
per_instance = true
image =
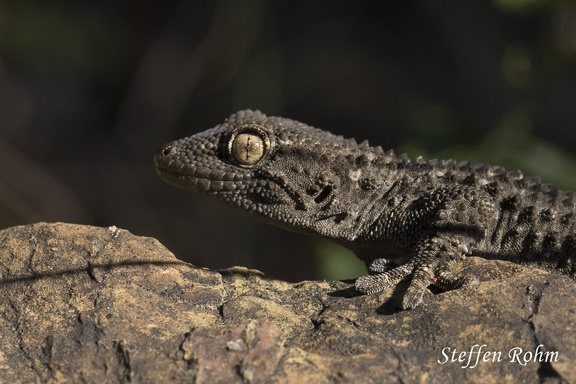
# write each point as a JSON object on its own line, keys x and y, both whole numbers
{"x": 283, "y": 171}
{"x": 216, "y": 161}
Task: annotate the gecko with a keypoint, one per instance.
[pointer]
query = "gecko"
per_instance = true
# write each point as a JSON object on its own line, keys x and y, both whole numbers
{"x": 407, "y": 219}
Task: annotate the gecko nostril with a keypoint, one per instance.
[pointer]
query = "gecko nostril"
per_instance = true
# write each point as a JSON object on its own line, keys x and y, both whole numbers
{"x": 167, "y": 150}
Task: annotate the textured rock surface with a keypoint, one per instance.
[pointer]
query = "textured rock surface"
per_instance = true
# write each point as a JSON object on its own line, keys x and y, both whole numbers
{"x": 99, "y": 305}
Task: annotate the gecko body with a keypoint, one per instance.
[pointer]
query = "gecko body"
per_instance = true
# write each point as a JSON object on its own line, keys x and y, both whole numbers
{"x": 407, "y": 219}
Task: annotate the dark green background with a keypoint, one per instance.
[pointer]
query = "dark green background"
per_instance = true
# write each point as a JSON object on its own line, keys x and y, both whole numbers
{"x": 89, "y": 90}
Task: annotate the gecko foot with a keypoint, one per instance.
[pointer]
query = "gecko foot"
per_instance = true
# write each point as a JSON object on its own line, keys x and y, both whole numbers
{"x": 442, "y": 278}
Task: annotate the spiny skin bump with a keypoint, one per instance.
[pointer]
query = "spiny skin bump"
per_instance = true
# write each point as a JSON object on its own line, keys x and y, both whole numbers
{"x": 411, "y": 219}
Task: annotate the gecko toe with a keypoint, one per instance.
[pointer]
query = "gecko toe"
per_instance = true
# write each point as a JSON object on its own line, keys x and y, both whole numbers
{"x": 412, "y": 298}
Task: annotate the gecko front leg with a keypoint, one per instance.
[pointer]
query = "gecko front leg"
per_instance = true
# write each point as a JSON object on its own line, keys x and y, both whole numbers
{"x": 431, "y": 264}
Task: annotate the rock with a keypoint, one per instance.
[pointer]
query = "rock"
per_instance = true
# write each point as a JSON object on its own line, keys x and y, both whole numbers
{"x": 100, "y": 305}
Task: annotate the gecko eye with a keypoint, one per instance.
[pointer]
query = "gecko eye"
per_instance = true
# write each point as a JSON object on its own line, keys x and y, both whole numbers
{"x": 247, "y": 148}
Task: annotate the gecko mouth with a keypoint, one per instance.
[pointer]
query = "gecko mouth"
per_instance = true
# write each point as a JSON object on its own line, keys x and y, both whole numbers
{"x": 222, "y": 181}
{"x": 202, "y": 179}
{"x": 197, "y": 177}
{"x": 210, "y": 181}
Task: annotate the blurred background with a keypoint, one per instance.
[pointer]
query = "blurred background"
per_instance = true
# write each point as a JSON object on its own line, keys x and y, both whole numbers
{"x": 89, "y": 90}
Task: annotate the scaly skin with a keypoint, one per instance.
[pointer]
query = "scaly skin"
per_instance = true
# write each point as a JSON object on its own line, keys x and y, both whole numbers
{"x": 411, "y": 219}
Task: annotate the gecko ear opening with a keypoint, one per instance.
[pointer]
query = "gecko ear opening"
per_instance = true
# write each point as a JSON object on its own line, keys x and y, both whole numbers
{"x": 248, "y": 146}
{"x": 324, "y": 194}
